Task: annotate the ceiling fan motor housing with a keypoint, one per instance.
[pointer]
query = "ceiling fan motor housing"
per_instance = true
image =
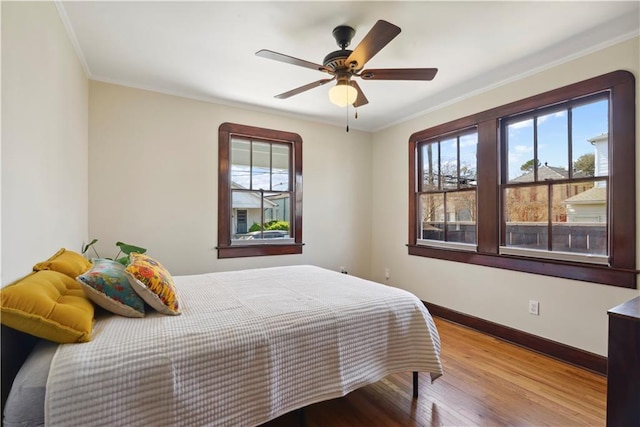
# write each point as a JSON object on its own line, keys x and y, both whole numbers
{"x": 335, "y": 60}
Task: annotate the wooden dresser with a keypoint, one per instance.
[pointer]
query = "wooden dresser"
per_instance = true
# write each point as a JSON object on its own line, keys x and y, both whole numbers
{"x": 623, "y": 365}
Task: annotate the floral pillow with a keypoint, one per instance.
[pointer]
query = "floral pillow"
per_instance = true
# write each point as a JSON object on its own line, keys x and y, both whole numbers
{"x": 153, "y": 283}
{"x": 107, "y": 286}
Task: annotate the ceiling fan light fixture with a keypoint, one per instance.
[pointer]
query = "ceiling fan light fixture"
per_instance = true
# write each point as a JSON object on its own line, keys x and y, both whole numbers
{"x": 343, "y": 94}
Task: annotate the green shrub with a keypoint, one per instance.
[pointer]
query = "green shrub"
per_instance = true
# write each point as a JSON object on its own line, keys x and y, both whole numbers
{"x": 270, "y": 225}
{"x": 277, "y": 225}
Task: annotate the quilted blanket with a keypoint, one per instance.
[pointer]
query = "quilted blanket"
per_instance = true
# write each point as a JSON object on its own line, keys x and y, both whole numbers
{"x": 249, "y": 346}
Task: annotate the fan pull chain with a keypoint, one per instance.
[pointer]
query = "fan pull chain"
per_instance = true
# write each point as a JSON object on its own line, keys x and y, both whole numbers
{"x": 356, "y": 113}
{"x": 347, "y": 118}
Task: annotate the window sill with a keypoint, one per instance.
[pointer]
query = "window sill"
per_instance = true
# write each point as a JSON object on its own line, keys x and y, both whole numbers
{"x": 469, "y": 247}
{"x": 259, "y": 250}
{"x": 560, "y": 256}
{"x": 584, "y": 272}
{"x": 261, "y": 242}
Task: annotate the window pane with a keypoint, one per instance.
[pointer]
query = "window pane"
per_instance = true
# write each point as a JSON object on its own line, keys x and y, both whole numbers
{"x": 280, "y": 167}
{"x": 468, "y": 160}
{"x": 520, "y": 151}
{"x": 553, "y": 146}
{"x": 261, "y": 166}
{"x": 449, "y": 163}
{"x": 526, "y": 213}
{"x": 240, "y": 163}
{"x": 431, "y": 216}
{"x": 590, "y": 135}
{"x": 461, "y": 217}
{"x": 580, "y": 218}
{"x": 253, "y": 213}
{"x": 246, "y": 209}
{"x": 277, "y": 208}
{"x": 430, "y": 155}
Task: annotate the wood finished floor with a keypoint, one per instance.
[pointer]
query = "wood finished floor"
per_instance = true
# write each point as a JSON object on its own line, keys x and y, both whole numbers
{"x": 487, "y": 382}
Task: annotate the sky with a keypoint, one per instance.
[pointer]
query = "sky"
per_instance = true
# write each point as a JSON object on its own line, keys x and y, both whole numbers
{"x": 270, "y": 165}
{"x": 279, "y": 180}
{"x": 589, "y": 120}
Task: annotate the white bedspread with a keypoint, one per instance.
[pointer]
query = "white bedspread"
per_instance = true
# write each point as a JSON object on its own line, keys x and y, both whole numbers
{"x": 249, "y": 346}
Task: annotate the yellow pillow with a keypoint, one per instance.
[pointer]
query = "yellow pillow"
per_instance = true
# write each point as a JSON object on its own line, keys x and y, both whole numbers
{"x": 49, "y": 305}
{"x": 68, "y": 262}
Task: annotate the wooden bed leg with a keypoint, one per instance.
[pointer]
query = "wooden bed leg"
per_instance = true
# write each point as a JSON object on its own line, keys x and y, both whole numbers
{"x": 303, "y": 421}
{"x": 415, "y": 385}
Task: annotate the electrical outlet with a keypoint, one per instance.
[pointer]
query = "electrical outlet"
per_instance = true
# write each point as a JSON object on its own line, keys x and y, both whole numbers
{"x": 343, "y": 269}
{"x": 534, "y": 307}
{"x": 386, "y": 273}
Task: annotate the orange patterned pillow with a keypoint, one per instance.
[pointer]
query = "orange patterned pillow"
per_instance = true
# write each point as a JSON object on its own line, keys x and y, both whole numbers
{"x": 153, "y": 283}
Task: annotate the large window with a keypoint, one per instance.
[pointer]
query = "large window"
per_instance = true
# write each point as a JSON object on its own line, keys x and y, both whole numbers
{"x": 259, "y": 192}
{"x": 552, "y": 191}
{"x": 554, "y": 187}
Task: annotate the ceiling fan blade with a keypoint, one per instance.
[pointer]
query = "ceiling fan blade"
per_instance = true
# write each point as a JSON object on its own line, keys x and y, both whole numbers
{"x": 377, "y": 38}
{"x": 269, "y": 54}
{"x": 399, "y": 74}
{"x": 361, "y": 99}
{"x": 301, "y": 89}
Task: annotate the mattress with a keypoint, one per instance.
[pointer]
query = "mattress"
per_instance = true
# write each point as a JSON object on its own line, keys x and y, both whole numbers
{"x": 249, "y": 346}
{"x": 25, "y": 403}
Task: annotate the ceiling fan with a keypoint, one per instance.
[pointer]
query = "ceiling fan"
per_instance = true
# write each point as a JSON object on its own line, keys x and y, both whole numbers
{"x": 345, "y": 64}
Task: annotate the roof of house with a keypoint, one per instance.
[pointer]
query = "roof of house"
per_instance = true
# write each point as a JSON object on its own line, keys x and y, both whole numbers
{"x": 592, "y": 195}
{"x": 600, "y": 138}
{"x": 249, "y": 199}
{"x": 546, "y": 172}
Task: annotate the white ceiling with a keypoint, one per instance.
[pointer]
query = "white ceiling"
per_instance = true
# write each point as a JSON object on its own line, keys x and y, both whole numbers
{"x": 206, "y": 50}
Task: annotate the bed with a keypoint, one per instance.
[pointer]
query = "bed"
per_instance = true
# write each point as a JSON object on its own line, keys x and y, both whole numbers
{"x": 248, "y": 346}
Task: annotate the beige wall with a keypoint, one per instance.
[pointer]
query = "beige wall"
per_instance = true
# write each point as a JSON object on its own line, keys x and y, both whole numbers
{"x": 571, "y": 312}
{"x": 44, "y": 139}
{"x": 153, "y": 182}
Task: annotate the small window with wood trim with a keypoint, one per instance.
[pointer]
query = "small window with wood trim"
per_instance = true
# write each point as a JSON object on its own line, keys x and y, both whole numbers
{"x": 259, "y": 191}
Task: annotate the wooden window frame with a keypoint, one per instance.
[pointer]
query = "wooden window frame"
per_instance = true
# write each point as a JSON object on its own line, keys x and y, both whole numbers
{"x": 225, "y": 248}
{"x": 445, "y": 192}
{"x": 621, "y": 270}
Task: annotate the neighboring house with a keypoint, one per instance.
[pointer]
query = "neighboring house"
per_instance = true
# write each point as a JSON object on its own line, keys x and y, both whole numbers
{"x": 247, "y": 207}
{"x": 588, "y": 206}
{"x": 282, "y": 209}
{"x": 601, "y": 148}
{"x": 591, "y": 205}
